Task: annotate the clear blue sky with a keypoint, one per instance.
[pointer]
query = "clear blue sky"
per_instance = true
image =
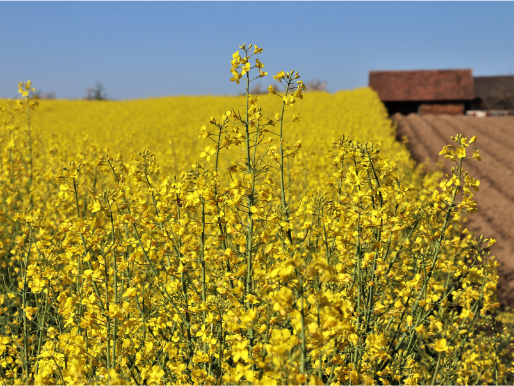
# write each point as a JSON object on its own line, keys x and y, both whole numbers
{"x": 146, "y": 49}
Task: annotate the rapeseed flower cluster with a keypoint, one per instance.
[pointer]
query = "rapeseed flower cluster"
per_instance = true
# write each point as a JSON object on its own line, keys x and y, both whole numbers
{"x": 269, "y": 260}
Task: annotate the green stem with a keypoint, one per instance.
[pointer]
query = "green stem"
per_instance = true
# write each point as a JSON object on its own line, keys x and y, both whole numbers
{"x": 436, "y": 369}
{"x": 282, "y": 182}
{"x": 303, "y": 356}
{"x": 250, "y": 203}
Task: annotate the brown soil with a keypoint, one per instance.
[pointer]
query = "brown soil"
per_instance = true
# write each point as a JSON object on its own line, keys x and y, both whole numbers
{"x": 495, "y": 216}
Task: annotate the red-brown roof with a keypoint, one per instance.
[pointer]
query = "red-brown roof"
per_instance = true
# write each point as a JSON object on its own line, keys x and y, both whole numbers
{"x": 423, "y": 85}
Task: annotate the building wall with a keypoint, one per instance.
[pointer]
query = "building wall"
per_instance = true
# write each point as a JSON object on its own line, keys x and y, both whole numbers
{"x": 418, "y": 107}
{"x": 404, "y": 108}
{"x": 439, "y": 108}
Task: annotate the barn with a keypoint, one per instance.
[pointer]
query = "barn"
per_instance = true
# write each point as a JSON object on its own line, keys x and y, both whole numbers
{"x": 494, "y": 93}
{"x": 424, "y": 91}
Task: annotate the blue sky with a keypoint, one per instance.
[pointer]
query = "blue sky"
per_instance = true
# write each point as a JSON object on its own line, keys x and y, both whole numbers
{"x": 150, "y": 49}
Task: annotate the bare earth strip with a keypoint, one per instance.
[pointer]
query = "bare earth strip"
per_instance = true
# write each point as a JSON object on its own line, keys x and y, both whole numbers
{"x": 495, "y": 217}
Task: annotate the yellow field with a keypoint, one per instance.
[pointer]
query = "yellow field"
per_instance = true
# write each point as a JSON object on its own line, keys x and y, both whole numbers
{"x": 274, "y": 249}
{"x": 169, "y": 127}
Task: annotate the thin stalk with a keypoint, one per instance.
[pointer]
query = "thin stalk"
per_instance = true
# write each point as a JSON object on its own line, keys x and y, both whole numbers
{"x": 115, "y": 279}
{"x": 24, "y": 305}
{"x": 81, "y": 263}
{"x": 107, "y": 315}
{"x": 41, "y": 328}
{"x": 187, "y": 317}
{"x": 250, "y": 203}
{"x": 303, "y": 356}
{"x": 285, "y": 208}
{"x": 202, "y": 262}
{"x": 436, "y": 369}
{"x": 359, "y": 292}
{"x": 29, "y": 132}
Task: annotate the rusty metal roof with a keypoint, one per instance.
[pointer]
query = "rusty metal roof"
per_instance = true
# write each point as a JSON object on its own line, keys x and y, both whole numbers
{"x": 423, "y": 85}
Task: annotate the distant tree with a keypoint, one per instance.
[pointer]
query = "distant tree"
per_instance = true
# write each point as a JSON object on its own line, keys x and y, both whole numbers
{"x": 257, "y": 89}
{"x": 48, "y": 95}
{"x": 96, "y": 93}
{"x": 44, "y": 95}
{"x": 316, "y": 85}
{"x": 312, "y": 85}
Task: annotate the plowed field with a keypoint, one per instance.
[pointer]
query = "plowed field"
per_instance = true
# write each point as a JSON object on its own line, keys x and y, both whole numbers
{"x": 495, "y": 216}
